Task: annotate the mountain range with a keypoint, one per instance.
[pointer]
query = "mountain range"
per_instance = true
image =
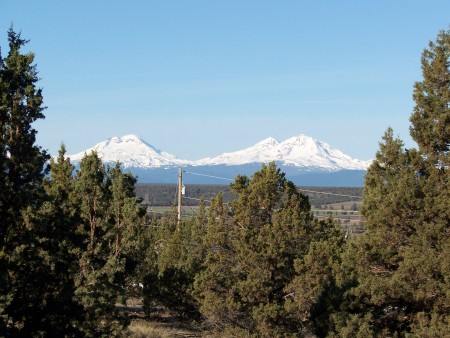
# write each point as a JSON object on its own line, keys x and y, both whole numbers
{"x": 305, "y": 161}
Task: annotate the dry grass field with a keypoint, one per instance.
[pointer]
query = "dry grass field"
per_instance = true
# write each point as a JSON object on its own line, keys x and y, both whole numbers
{"x": 140, "y": 328}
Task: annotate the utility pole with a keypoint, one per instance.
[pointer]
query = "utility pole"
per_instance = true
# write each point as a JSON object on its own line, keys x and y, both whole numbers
{"x": 180, "y": 186}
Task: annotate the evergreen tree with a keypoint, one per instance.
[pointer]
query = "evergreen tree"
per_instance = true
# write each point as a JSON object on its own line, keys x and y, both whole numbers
{"x": 111, "y": 218}
{"x": 430, "y": 121}
{"x": 127, "y": 216}
{"x": 95, "y": 284}
{"x": 314, "y": 295}
{"x": 21, "y": 104}
{"x": 400, "y": 268}
{"x": 60, "y": 214}
{"x": 126, "y": 211}
{"x": 23, "y": 264}
{"x": 180, "y": 256}
{"x": 214, "y": 282}
{"x": 392, "y": 200}
{"x": 428, "y": 260}
{"x": 160, "y": 233}
{"x": 64, "y": 242}
{"x": 251, "y": 256}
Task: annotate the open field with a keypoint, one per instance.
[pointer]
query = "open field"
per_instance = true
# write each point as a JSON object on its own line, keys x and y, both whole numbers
{"x": 165, "y": 194}
{"x": 349, "y": 219}
{"x": 336, "y": 210}
{"x": 163, "y": 328}
{"x": 159, "y": 325}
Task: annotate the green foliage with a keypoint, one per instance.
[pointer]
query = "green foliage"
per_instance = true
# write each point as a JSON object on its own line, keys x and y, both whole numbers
{"x": 179, "y": 257}
{"x": 24, "y": 263}
{"x": 400, "y": 269}
{"x": 110, "y": 216}
{"x": 314, "y": 294}
{"x": 214, "y": 280}
{"x": 431, "y": 117}
{"x": 251, "y": 253}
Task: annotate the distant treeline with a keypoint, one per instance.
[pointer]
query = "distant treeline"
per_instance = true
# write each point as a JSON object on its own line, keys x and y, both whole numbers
{"x": 166, "y": 194}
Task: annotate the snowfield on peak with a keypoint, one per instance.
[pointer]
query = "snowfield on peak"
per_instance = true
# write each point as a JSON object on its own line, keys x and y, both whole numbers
{"x": 300, "y": 151}
{"x": 131, "y": 151}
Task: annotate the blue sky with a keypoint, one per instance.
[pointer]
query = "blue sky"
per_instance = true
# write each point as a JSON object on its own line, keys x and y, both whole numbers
{"x": 198, "y": 78}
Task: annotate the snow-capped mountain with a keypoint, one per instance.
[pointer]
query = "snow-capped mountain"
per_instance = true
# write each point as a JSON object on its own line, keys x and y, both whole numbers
{"x": 132, "y": 152}
{"x": 301, "y": 151}
{"x": 304, "y": 159}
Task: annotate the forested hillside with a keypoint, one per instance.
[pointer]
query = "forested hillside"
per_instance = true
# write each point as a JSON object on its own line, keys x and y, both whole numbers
{"x": 75, "y": 245}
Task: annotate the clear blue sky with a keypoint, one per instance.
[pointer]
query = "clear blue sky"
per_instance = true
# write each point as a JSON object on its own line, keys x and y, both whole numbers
{"x": 198, "y": 78}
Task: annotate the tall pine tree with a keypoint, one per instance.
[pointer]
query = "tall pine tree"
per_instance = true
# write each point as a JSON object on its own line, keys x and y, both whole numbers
{"x": 400, "y": 269}
{"x": 60, "y": 215}
{"x": 95, "y": 284}
{"x": 430, "y": 128}
{"x": 23, "y": 263}
{"x": 110, "y": 219}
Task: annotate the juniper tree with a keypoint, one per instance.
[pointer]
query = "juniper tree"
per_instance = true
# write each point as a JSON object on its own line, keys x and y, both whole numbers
{"x": 21, "y": 174}
{"x": 60, "y": 215}
{"x": 179, "y": 258}
{"x": 110, "y": 221}
{"x": 251, "y": 256}
{"x": 429, "y": 259}
{"x": 22, "y": 162}
{"x": 214, "y": 282}
{"x": 315, "y": 293}
{"x": 127, "y": 215}
{"x": 401, "y": 267}
{"x": 391, "y": 204}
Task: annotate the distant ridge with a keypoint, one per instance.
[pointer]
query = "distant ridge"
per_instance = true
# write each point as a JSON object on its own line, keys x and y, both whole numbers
{"x": 300, "y": 151}
{"x": 302, "y": 158}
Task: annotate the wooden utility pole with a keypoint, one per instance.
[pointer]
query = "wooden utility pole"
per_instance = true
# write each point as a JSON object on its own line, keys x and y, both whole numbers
{"x": 180, "y": 186}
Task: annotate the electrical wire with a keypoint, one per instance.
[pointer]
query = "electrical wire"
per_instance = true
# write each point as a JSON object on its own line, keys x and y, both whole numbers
{"x": 199, "y": 199}
{"x": 195, "y": 212}
{"x": 311, "y": 191}
{"x": 158, "y": 212}
{"x": 195, "y": 199}
{"x": 329, "y": 193}
{"x": 205, "y": 175}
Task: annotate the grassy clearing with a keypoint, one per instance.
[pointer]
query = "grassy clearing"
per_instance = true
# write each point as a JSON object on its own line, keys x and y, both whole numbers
{"x": 166, "y": 211}
{"x": 345, "y": 206}
{"x": 341, "y": 211}
{"x": 162, "y": 328}
{"x": 160, "y": 325}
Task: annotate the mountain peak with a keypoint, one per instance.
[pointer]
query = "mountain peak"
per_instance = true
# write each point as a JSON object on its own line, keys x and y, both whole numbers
{"x": 300, "y": 151}
{"x": 126, "y": 138}
{"x": 270, "y": 141}
{"x": 131, "y": 151}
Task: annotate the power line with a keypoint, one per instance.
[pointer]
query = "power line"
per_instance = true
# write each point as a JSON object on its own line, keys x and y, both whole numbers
{"x": 317, "y": 192}
{"x": 205, "y": 175}
{"x": 329, "y": 193}
{"x": 199, "y": 199}
{"x": 158, "y": 212}
{"x": 195, "y": 212}
{"x": 196, "y": 199}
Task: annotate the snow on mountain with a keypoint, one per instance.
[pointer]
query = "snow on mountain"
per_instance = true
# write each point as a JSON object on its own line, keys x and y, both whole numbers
{"x": 300, "y": 151}
{"x": 260, "y": 152}
{"x": 131, "y": 151}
